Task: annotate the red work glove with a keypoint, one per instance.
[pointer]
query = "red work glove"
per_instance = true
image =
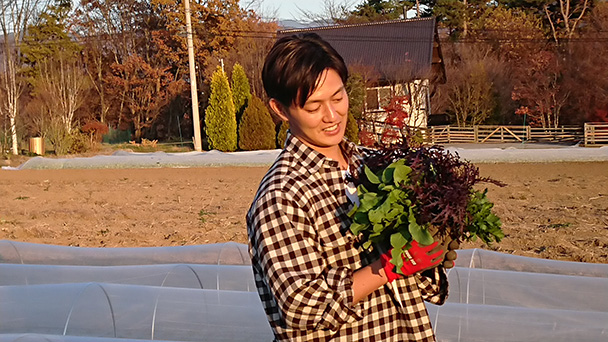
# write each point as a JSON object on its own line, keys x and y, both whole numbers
{"x": 422, "y": 258}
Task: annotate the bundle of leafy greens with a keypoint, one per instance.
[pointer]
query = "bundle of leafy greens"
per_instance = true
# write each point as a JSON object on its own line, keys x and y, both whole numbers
{"x": 422, "y": 194}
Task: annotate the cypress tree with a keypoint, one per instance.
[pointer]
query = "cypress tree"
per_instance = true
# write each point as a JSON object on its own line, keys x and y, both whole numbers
{"x": 241, "y": 91}
{"x": 282, "y": 135}
{"x": 220, "y": 115}
{"x": 352, "y": 129}
{"x": 256, "y": 131}
{"x": 355, "y": 87}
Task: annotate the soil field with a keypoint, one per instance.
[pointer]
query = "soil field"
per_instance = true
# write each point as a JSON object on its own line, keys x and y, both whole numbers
{"x": 553, "y": 210}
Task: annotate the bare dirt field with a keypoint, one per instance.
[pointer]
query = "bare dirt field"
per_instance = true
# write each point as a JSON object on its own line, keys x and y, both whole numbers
{"x": 550, "y": 210}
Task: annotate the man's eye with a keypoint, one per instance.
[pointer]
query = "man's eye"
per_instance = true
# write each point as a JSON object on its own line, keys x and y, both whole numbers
{"x": 312, "y": 109}
{"x": 339, "y": 99}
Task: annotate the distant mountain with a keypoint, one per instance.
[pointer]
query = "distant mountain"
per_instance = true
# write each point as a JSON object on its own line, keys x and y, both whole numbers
{"x": 294, "y": 24}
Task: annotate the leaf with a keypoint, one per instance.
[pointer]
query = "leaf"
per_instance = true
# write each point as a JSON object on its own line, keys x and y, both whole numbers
{"x": 398, "y": 241}
{"x": 361, "y": 218}
{"x": 357, "y": 228}
{"x": 401, "y": 174}
{"x": 369, "y": 201}
{"x": 420, "y": 234}
{"x": 353, "y": 211}
{"x": 397, "y": 259}
{"x": 387, "y": 175}
{"x": 371, "y": 176}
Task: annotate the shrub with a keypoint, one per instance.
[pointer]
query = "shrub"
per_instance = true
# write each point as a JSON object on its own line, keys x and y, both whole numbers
{"x": 220, "y": 116}
{"x": 96, "y": 130}
{"x": 256, "y": 131}
{"x": 282, "y": 135}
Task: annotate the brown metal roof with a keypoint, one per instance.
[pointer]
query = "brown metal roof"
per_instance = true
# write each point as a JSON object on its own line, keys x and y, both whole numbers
{"x": 397, "y": 50}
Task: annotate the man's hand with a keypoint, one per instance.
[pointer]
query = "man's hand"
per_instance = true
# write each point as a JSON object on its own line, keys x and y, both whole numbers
{"x": 416, "y": 259}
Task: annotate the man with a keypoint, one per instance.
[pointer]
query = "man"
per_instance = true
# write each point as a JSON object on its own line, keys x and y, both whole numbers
{"x": 315, "y": 281}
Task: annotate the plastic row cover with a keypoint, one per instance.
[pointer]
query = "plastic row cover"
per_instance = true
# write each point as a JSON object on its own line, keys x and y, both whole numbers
{"x": 229, "y": 253}
{"x": 528, "y": 290}
{"x": 196, "y": 276}
{"x": 490, "y": 323}
{"x": 481, "y": 258}
{"x": 136, "y": 312}
{"x": 61, "y": 338}
{"x": 532, "y": 300}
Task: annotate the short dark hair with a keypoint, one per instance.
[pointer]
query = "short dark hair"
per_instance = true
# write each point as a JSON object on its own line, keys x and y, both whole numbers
{"x": 294, "y": 64}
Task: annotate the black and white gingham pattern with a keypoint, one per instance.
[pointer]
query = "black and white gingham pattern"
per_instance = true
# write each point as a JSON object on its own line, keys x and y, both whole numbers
{"x": 304, "y": 255}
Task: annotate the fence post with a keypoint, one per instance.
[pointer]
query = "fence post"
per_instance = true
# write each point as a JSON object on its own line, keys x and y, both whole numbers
{"x": 476, "y": 133}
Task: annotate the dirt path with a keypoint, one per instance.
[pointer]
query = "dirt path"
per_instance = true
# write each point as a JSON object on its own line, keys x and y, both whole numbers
{"x": 555, "y": 211}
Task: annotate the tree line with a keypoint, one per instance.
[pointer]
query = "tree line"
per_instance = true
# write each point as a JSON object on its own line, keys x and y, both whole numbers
{"x": 71, "y": 70}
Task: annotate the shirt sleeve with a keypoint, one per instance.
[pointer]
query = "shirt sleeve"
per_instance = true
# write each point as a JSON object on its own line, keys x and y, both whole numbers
{"x": 309, "y": 293}
{"x": 433, "y": 285}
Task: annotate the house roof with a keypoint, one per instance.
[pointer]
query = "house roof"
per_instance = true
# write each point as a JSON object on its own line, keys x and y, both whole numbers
{"x": 397, "y": 50}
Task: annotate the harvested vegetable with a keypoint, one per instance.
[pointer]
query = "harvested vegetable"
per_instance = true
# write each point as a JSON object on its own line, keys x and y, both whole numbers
{"x": 422, "y": 194}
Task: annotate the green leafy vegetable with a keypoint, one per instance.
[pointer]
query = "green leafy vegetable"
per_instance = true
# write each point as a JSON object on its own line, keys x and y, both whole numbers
{"x": 403, "y": 191}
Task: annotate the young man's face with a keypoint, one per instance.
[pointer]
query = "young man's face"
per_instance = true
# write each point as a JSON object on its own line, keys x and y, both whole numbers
{"x": 321, "y": 122}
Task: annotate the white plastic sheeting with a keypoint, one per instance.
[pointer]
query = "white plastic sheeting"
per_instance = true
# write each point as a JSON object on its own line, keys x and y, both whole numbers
{"x": 193, "y": 276}
{"x": 493, "y": 296}
{"x": 478, "y": 153}
{"x": 229, "y": 253}
{"x": 136, "y": 312}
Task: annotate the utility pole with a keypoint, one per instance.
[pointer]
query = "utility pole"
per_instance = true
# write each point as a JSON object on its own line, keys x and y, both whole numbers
{"x": 193, "y": 90}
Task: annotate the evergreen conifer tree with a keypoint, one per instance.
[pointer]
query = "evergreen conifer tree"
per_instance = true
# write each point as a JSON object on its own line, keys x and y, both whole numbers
{"x": 256, "y": 131}
{"x": 220, "y": 115}
{"x": 282, "y": 135}
{"x": 241, "y": 90}
{"x": 355, "y": 87}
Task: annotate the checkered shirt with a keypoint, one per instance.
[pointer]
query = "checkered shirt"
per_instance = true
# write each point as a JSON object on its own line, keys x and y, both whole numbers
{"x": 304, "y": 256}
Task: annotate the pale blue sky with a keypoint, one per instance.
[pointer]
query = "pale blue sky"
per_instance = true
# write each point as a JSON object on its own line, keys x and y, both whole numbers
{"x": 288, "y": 9}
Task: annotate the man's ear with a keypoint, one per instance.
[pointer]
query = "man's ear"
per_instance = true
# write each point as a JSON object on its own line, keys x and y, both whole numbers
{"x": 278, "y": 108}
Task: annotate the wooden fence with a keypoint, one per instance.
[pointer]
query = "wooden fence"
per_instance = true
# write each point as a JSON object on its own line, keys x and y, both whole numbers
{"x": 502, "y": 134}
{"x": 596, "y": 133}
{"x": 591, "y": 133}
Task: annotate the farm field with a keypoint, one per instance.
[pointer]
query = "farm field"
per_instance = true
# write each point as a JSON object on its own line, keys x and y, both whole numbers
{"x": 549, "y": 210}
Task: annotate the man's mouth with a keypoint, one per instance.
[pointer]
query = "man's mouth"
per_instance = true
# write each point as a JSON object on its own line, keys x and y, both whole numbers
{"x": 331, "y": 128}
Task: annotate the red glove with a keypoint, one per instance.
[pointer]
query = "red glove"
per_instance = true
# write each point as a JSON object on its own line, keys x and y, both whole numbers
{"x": 421, "y": 259}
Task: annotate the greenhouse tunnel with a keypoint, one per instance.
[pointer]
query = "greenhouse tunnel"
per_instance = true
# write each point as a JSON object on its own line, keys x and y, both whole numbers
{"x": 207, "y": 293}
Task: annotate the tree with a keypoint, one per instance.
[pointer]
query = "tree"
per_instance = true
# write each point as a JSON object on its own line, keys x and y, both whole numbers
{"x": 587, "y": 66}
{"x": 111, "y": 31}
{"x": 456, "y": 15}
{"x": 257, "y": 130}
{"x": 565, "y": 19}
{"x": 220, "y": 115}
{"x": 48, "y": 38}
{"x": 241, "y": 92}
{"x": 539, "y": 91}
{"x": 146, "y": 91}
{"x": 282, "y": 134}
{"x": 61, "y": 86}
{"x": 379, "y": 10}
{"x": 355, "y": 87}
{"x": 511, "y": 34}
{"x": 472, "y": 100}
{"x": 14, "y": 19}
{"x": 53, "y": 65}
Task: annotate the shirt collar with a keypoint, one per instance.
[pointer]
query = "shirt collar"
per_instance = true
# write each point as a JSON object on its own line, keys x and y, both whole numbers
{"x": 313, "y": 160}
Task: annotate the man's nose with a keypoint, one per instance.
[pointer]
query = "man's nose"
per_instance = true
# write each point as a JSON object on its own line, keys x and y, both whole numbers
{"x": 331, "y": 114}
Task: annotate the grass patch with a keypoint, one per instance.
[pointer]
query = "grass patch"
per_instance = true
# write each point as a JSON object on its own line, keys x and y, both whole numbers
{"x": 202, "y": 215}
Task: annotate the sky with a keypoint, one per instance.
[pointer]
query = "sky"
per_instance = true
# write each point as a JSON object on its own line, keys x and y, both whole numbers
{"x": 288, "y": 9}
